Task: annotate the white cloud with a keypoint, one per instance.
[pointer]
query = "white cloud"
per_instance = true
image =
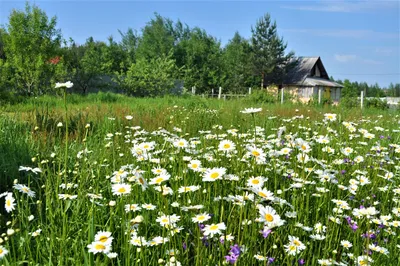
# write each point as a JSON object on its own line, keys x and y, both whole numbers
{"x": 358, "y": 34}
{"x": 345, "y": 57}
{"x": 385, "y": 51}
{"x": 345, "y": 6}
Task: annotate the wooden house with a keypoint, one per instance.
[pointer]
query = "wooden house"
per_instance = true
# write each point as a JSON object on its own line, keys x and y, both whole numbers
{"x": 307, "y": 78}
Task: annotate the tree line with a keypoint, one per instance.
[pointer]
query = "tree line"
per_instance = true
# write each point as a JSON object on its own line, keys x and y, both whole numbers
{"x": 153, "y": 61}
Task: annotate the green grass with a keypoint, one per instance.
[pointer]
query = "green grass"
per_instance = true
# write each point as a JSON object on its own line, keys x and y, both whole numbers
{"x": 29, "y": 136}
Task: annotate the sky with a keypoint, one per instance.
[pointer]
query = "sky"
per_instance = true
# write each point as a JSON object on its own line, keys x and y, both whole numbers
{"x": 357, "y": 40}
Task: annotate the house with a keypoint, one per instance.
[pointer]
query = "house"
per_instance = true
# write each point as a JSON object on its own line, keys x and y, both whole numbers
{"x": 307, "y": 78}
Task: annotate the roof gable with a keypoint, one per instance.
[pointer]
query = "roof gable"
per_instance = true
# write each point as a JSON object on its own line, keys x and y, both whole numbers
{"x": 305, "y": 67}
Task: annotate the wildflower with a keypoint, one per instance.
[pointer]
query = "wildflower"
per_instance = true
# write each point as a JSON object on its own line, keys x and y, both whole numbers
{"x": 158, "y": 180}
{"x": 112, "y": 255}
{"x": 346, "y": 244}
{"x": 295, "y": 246}
{"x": 99, "y": 247}
{"x": 213, "y": 174}
{"x": 268, "y": 215}
{"x": 330, "y": 117}
{"x": 3, "y": 252}
{"x": 201, "y": 218}
{"x": 212, "y": 229}
{"x": 67, "y": 196}
{"x": 121, "y": 189}
{"x": 132, "y": 207}
{"x": 10, "y": 202}
{"x": 24, "y": 189}
{"x": 255, "y": 181}
{"x": 226, "y": 146}
{"x": 195, "y": 165}
{"x": 27, "y": 169}
{"x": 364, "y": 260}
{"x": 251, "y": 110}
{"x": 148, "y": 206}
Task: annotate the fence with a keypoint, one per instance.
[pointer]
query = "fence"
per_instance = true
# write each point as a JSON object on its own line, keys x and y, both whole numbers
{"x": 220, "y": 95}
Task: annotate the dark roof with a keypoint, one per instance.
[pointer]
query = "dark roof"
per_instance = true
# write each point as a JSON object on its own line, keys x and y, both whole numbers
{"x": 305, "y": 68}
{"x": 316, "y": 81}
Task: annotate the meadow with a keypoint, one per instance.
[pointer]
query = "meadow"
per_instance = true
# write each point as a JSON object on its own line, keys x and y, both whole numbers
{"x": 111, "y": 180}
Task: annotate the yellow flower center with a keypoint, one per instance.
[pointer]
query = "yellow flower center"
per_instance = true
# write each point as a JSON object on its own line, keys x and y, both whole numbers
{"x": 268, "y": 217}
{"x": 103, "y": 239}
{"x": 1, "y": 251}
{"x": 165, "y": 220}
{"x": 159, "y": 180}
{"x": 262, "y": 194}
{"x": 214, "y": 175}
{"x": 227, "y": 146}
{"x": 255, "y": 181}
{"x": 100, "y": 247}
{"x": 194, "y": 165}
{"x": 25, "y": 189}
{"x": 8, "y": 203}
{"x": 296, "y": 242}
{"x": 146, "y": 146}
{"x": 255, "y": 153}
{"x": 201, "y": 218}
{"x": 213, "y": 227}
{"x": 121, "y": 190}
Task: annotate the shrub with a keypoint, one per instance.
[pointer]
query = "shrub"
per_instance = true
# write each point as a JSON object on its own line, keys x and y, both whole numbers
{"x": 261, "y": 96}
{"x": 376, "y": 103}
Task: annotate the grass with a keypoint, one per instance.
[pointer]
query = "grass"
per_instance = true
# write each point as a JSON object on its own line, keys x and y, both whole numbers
{"x": 76, "y": 194}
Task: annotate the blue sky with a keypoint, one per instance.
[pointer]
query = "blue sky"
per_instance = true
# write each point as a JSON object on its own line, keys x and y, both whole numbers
{"x": 358, "y": 40}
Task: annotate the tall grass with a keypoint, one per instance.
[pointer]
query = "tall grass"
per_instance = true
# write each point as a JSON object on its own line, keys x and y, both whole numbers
{"x": 105, "y": 147}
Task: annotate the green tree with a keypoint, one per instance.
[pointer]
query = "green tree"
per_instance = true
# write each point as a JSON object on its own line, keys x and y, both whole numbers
{"x": 270, "y": 62}
{"x": 129, "y": 43}
{"x": 237, "y": 64}
{"x": 158, "y": 38}
{"x": 31, "y": 41}
{"x": 150, "y": 78}
{"x": 201, "y": 55}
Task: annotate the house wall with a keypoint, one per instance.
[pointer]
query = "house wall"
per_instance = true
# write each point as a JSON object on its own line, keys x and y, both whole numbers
{"x": 317, "y": 71}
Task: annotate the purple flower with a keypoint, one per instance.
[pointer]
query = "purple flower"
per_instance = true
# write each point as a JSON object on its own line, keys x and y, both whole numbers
{"x": 354, "y": 227}
{"x": 184, "y": 246}
{"x": 343, "y": 172}
{"x": 235, "y": 249}
{"x": 234, "y": 253}
{"x": 270, "y": 260}
{"x": 232, "y": 258}
{"x": 266, "y": 233}
{"x": 301, "y": 262}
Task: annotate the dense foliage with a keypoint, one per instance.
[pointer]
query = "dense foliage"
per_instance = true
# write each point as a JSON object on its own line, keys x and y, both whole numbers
{"x": 34, "y": 55}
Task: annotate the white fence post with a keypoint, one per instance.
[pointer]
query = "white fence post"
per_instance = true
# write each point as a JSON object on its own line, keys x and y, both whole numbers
{"x": 212, "y": 93}
{"x": 224, "y": 97}
{"x": 194, "y": 90}
{"x": 250, "y": 90}
{"x": 219, "y": 92}
{"x": 319, "y": 95}
{"x": 362, "y": 99}
{"x": 282, "y": 96}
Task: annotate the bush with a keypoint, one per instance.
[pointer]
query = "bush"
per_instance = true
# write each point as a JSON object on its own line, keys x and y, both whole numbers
{"x": 261, "y": 96}
{"x": 349, "y": 102}
{"x": 376, "y": 103}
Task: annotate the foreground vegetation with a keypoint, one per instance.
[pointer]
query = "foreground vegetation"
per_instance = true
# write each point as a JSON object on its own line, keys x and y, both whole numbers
{"x": 194, "y": 181}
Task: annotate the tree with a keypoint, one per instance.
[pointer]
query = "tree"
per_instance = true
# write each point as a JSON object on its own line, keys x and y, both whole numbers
{"x": 31, "y": 41}
{"x": 152, "y": 77}
{"x": 202, "y": 64}
{"x": 268, "y": 52}
{"x": 158, "y": 38}
{"x": 237, "y": 64}
{"x": 129, "y": 43}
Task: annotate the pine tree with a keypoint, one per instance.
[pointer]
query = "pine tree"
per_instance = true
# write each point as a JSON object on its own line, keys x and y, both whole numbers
{"x": 268, "y": 52}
